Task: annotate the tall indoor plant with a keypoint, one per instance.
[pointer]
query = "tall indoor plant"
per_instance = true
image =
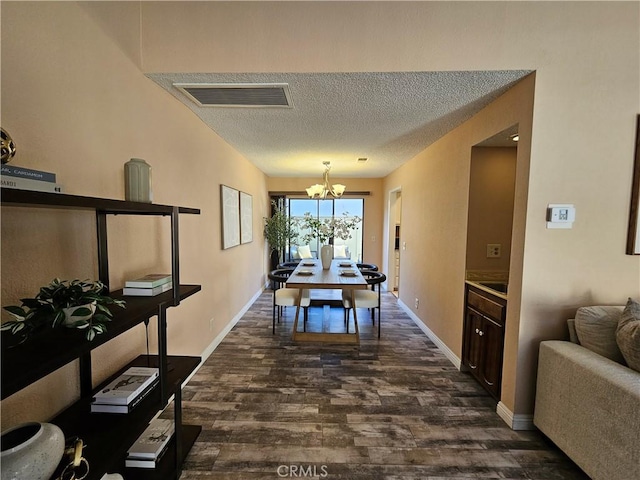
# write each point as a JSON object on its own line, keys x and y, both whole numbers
{"x": 326, "y": 229}
{"x": 280, "y": 231}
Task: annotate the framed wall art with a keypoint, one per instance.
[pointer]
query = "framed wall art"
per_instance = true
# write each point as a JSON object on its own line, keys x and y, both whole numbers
{"x": 633, "y": 236}
{"x": 246, "y": 218}
{"x": 230, "y": 203}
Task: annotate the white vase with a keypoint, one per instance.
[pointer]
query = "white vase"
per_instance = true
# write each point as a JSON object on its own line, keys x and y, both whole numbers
{"x": 31, "y": 451}
{"x": 326, "y": 255}
{"x": 69, "y": 319}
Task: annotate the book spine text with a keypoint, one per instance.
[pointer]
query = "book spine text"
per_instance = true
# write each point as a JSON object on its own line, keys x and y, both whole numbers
{"x": 20, "y": 172}
{"x": 29, "y": 184}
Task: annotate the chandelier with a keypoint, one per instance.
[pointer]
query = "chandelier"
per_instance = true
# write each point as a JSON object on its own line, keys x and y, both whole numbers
{"x": 320, "y": 191}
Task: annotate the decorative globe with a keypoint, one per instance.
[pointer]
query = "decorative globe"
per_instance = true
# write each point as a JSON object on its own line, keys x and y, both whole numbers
{"x": 7, "y": 146}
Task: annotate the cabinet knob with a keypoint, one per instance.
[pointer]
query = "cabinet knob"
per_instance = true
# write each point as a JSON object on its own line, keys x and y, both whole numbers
{"x": 480, "y": 333}
{"x": 477, "y": 330}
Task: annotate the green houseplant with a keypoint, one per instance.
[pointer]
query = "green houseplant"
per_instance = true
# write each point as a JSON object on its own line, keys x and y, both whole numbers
{"x": 71, "y": 303}
{"x": 280, "y": 230}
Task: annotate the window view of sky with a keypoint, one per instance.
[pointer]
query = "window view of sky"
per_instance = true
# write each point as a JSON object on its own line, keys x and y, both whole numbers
{"x": 324, "y": 208}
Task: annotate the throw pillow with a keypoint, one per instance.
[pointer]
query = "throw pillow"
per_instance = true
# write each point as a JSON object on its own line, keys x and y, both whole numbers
{"x": 596, "y": 328}
{"x": 628, "y": 334}
{"x": 305, "y": 252}
{"x": 339, "y": 251}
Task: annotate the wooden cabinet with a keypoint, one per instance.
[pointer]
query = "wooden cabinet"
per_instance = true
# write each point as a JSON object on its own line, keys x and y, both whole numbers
{"x": 483, "y": 341}
{"x": 108, "y": 436}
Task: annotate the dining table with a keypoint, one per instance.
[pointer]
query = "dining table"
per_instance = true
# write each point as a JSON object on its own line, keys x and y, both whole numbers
{"x": 342, "y": 275}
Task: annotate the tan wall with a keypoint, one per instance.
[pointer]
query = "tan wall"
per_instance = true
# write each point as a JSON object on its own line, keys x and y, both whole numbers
{"x": 76, "y": 104}
{"x": 435, "y": 195}
{"x": 373, "y": 206}
{"x": 581, "y": 138}
{"x": 490, "y": 219}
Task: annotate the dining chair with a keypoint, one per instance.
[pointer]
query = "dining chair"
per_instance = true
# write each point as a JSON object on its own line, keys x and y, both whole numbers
{"x": 287, "y": 297}
{"x": 288, "y": 264}
{"x": 367, "y": 266}
{"x": 365, "y": 298}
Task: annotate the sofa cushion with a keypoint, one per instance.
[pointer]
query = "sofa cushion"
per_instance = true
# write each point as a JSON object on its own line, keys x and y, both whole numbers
{"x": 339, "y": 251}
{"x": 304, "y": 251}
{"x": 596, "y": 328}
{"x": 628, "y": 334}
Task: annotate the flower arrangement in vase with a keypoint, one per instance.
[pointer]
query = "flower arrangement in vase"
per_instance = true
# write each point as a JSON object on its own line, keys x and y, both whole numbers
{"x": 326, "y": 229}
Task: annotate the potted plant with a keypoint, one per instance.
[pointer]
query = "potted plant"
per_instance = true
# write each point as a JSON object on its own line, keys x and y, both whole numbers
{"x": 280, "y": 230}
{"x": 326, "y": 230}
{"x": 71, "y": 303}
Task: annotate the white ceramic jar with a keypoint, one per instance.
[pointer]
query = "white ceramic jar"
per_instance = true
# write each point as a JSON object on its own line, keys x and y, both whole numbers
{"x": 137, "y": 181}
{"x": 31, "y": 451}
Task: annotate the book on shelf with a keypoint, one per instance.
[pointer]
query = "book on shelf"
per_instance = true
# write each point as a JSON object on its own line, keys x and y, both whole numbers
{"x": 21, "y": 172}
{"x": 135, "y": 462}
{"x": 149, "y": 281}
{"x": 150, "y": 446}
{"x": 97, "y": 407}
{"x": 29, "y": 184}
{"x": 124, "y": 389}
{"x": 140, "y": 463}
{"x": 147, "y": 292}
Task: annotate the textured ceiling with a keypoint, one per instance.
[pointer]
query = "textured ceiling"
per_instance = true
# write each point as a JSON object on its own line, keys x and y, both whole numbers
{"x": 385, "y": 117}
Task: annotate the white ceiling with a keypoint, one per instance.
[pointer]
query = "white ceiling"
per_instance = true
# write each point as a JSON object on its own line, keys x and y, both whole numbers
{"x": 385, "y": 117}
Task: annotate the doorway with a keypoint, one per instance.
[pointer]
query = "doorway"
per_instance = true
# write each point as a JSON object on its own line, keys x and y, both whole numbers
{"x": 394, "y": 241}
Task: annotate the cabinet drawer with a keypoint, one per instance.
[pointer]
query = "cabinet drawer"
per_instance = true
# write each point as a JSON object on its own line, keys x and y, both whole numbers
{"x": 486, "y": 306}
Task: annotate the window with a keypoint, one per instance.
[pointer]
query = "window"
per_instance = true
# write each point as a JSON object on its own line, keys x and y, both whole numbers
{"x": 329, "y": 208}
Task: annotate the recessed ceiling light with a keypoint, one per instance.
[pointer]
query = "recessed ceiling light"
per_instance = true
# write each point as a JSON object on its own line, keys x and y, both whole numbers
{"x": 515, "y": 137}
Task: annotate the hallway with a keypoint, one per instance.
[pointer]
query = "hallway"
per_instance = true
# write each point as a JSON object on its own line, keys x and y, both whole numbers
{"x": 393, "y": 408}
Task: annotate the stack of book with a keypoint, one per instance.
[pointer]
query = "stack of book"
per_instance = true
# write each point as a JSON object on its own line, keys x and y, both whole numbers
{"x": 149, "y": 285}
{"x": 125, "y": 392}
{"x": 148, "y": 449}
{"x": 26, "y": 179}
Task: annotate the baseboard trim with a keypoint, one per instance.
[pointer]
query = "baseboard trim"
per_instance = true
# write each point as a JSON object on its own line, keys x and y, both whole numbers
{"x": 452, "y": 357}
{"x": 218, "y": 340}
{"x": 515, "y": 421}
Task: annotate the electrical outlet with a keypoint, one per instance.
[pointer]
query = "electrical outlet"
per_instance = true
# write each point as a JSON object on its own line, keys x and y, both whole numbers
{"x": 417, "y": 303}
{"x": 494, "y": 250}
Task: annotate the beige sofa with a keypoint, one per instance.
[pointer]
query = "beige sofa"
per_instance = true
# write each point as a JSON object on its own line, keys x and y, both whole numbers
{"x": 589, "y": 406}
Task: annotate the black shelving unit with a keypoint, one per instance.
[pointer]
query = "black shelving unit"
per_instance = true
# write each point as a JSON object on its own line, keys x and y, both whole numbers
{"x": 108, "y": 436}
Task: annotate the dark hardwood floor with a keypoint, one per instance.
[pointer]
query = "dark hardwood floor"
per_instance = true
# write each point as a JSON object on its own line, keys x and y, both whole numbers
{"x": 393, "y": 408}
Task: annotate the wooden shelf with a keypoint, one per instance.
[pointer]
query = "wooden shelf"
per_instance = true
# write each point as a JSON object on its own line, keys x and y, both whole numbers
{"x": 10, "y": 196}
{"x": 108, "y": 436}
{"x": 52, "y": 349}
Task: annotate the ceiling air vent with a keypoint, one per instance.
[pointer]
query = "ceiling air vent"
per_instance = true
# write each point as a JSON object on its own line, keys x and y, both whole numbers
{"x": 237, "y": 94}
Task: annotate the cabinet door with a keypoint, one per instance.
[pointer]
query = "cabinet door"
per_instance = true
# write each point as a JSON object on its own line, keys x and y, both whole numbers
{"x": 490, "y": 371}
{"x": 472, "y": 348}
